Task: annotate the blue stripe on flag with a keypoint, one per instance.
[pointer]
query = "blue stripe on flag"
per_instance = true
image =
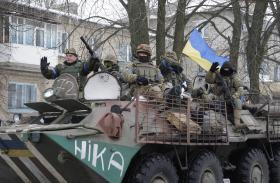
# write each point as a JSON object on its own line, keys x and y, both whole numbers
{"x": 199, "y": 44}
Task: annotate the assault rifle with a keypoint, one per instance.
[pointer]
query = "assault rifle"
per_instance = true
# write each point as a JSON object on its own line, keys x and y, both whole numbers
{"x": 92, "y": 53}
{"x": 225, "y": 89}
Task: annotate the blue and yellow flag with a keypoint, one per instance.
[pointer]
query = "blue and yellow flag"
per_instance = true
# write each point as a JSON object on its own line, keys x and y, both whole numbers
{"x": 198, "y": 50}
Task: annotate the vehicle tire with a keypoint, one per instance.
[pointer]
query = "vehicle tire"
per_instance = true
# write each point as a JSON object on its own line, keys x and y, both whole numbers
{"x": 275, "y": 166}
{"x": 205, "y": 168}
{"x": 155, "y": 168}
{"x": 252, "y": 167}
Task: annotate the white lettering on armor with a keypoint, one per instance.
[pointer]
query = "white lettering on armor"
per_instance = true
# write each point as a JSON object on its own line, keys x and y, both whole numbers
{"x": 81, "y": 150}
{"x": 115, "y": 163}
{"x": 88, "y": 151}
{"x": 95, "y": 156}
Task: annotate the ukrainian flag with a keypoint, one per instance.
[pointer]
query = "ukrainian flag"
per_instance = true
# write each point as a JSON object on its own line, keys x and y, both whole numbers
{"x": 198, "y": 50}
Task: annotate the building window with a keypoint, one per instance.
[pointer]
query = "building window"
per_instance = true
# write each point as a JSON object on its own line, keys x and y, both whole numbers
{"x": 29, "y": 32}
{"x": 62, "y": 41}
{"x": 265, "y": 72}
{"x": 124, "y": 53}
{"x": 277, "y": 73}
{"x": 32, "y": 32}
{"x": 39, "y": 37}
{"x": 20, "y": 93}
{"x": 50, "y": 36}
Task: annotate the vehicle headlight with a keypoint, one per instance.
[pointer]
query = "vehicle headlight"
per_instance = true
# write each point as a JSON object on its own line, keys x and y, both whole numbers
{"x": 48, "y": 93}
{"x": 17, "y": 118}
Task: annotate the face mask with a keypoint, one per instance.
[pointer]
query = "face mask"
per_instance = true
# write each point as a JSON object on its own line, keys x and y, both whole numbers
{"x": 144, "y": 58}
{"x": 226, "y": 71}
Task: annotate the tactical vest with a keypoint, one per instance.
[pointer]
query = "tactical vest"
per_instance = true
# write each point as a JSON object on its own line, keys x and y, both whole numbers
{"x": 146, "y": 70}
{"x": 174, "y": 78}
{"x": 74, "y": 70}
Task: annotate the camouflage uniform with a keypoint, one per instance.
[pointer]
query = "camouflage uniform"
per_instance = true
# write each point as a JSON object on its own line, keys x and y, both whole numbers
{"x": 234, "y": 87}
{"x": 172, "y": 71}
{"x": 78, "y": 69}
{"x": 146, "y": 70}
{"x": 233, "y": 83}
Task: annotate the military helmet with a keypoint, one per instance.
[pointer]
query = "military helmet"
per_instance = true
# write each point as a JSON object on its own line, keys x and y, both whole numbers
{"x": 71, "y": 51}
{"x": 144, "y": 48}
{"x": 172, "y": 56}
{"x": 110, "y": 58}
{"x": 227, "y": 69}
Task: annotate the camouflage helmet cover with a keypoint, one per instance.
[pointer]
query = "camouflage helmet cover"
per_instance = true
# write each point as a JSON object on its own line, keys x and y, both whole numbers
{"x": 171, "y": 56}
{"x": 71, "y": 51}
{"x": 144, "y": 48}
{"x": 111, "y": 58}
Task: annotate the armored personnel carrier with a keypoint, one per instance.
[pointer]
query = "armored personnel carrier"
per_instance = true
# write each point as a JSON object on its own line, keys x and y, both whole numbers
{"x": 98, "y": 138}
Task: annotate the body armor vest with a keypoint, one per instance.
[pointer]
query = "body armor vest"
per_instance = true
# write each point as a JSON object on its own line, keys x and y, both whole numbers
{"x": 74, "y": 70}
{"x": 146, "y": 70}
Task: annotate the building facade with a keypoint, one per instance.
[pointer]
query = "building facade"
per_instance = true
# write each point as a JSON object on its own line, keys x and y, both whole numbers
{"x": 29, "y": 32}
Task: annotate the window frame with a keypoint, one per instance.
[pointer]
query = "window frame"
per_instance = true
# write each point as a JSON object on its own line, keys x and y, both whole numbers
{"x": 21, "y": 108}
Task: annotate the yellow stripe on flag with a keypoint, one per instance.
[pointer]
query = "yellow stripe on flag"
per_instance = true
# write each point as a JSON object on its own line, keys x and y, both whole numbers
{"x": 195, "y": 56}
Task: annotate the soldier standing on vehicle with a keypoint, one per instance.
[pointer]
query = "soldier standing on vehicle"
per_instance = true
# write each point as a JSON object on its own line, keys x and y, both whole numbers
{"x": 72, "y": 65}
{"x": 172, "y": 72}
{"x": 142, "y": 75}
{"x": 227, "y": 86}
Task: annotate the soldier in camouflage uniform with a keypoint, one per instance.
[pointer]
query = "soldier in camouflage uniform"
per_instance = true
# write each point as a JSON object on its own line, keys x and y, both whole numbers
{"x": 227, "y": 87}
{"x": 142, "y": 75}
{"x": 111, "y": 65}
{"x": 172, "y": 72}
{"x": 72, "y": 65}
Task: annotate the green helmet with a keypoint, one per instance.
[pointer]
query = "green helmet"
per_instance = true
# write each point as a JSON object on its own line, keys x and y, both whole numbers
{"x": 71, "y": 51}
{"x": 110, "y": 58}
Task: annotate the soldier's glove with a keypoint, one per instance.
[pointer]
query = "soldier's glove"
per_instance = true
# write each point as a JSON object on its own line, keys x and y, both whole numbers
{"x": 184, "y": 85}
{"x": 142, "y": 81}
{"x": 44, "y": 64}
{"x": 214, "y": 67}
{"x": 95, "y": 62}
{"x": 175, "y": 91}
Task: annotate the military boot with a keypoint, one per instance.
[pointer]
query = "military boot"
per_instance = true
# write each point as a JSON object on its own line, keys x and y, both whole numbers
{"x": 237, "y": 119}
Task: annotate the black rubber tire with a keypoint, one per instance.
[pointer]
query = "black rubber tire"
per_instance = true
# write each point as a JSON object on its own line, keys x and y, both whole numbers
{"x": 205, "y": 162}
{"x": 252, "y": 158}
{"x": 275, "y": 166}
{"x": 154, "y": 165}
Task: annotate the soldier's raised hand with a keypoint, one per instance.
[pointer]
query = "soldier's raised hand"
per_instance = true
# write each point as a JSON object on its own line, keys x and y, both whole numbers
{"x": 214, "y": 67}
{"x": 44, "y": 63}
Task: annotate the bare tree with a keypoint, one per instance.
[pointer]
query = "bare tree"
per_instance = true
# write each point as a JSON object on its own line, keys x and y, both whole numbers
{"x": 138, "y": 24}
{"x": 160, "y": 32}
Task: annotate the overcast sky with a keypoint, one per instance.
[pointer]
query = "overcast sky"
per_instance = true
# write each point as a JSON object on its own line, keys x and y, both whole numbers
{"x": 111, "y": 9}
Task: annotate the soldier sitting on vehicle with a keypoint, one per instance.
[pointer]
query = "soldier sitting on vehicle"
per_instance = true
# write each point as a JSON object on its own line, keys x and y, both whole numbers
{"x": 72, "y": 65}
{"x": 111, "y": 65}
{"x": 142, "y": 75}
{"x": 228, "y": 87}
{"x": 172, "y": 72}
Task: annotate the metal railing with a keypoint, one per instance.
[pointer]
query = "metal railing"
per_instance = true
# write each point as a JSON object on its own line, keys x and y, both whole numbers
{"x": 172, "y": 120}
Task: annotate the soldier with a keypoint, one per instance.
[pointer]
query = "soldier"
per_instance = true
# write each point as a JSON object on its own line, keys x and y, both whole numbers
{"x": 111, "y": 65}
{"x": 227, "y": 86}
{"x": 72, "y": 65}
{"x": 143, "y": 75}
{"x": 173, "y": 74}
